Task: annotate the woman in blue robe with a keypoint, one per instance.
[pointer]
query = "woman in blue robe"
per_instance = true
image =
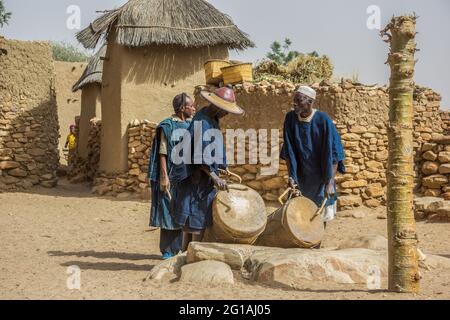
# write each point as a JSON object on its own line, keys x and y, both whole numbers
{"x": 197, "y": 183}
{"x": 313, "y": 150}
{"x": 160, "y": 171}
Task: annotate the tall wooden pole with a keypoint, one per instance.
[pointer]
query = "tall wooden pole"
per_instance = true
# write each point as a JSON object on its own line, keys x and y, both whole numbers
{"x": 403, "y": 258}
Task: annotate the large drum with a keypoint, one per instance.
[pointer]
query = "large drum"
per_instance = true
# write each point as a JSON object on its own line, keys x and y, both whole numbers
{"x": 239, "y": 216}
{"x": 296, "y": 224}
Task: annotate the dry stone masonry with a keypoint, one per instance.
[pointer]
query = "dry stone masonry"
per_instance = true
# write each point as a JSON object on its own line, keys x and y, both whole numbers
{"x": 135, "y": 181}
{"x": 360, "y": 114}
{"x": 28, "y": 116}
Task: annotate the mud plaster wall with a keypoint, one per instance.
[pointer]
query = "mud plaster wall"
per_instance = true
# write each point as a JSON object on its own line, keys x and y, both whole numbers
{"x": 28, "y": 115}
{"x": 69, "y": 103}
{"x": 140, "y": 83}
{"x": 90, "y": 108}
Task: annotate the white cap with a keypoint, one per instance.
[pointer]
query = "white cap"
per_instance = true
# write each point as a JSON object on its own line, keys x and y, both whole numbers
{"x": 307, "y": 91}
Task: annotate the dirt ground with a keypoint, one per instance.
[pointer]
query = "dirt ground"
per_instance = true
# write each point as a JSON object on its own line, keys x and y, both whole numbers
{"x": 44, "y": 232}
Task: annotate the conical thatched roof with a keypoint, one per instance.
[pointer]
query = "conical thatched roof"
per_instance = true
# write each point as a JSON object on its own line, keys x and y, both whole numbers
{"x": 93, "y": 72}
{"x": 189, "y": 23}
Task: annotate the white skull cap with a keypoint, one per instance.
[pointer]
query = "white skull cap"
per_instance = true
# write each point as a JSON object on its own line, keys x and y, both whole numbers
{"x": 307, "y": 91}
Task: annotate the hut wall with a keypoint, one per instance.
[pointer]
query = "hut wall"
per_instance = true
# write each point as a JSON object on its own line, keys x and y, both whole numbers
{"x": 90, "y": 108}
{"x": 28, "y": 115}
{"x": 69, "y": 102}
{"x": 140, "y": 83}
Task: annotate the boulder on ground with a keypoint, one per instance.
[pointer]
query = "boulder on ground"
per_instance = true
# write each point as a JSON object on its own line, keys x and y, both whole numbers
{"x": 295, "y": 267}
{"x": 207, "y": 272}
{"x": 232, "y": 254}
{"x": 169, "y": 267}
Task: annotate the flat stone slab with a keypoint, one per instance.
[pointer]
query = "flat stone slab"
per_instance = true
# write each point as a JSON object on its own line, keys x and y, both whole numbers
{"x": 207, "y": 272}
{"x": 169, "y": 267}
{"x": 293, "y": 269}
{"x": 354, "y": 262}
{"x": 234, "y": 255}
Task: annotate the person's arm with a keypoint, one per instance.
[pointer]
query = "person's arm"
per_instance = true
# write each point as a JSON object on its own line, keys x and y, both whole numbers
{"x": 331, "y": 185}
{"x": 220, "y": 183}
{"x": 67, "y": 142}
{"x": 164, "y": 181}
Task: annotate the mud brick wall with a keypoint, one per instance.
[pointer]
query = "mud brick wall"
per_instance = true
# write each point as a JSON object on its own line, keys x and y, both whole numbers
{"x": 28, "y": 116}
{"x": 135, "y": 181}
{"x": 86, "y": 169}
{"x": 435, "y": 168}
{"x": 360, "y": 114}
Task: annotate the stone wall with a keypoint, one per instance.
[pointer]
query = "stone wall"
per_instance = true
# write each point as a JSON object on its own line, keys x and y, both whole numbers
{"x": 359, "y": 112}
{"x": 435, "y": 168}
{"x": 86, "y": 169}
{"x": 445, "y": 116}
{"x": 28, "y": 116}
{"x": 135, "y": 181}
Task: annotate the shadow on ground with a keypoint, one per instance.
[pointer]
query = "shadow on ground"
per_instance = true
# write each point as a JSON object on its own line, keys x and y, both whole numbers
{"x": 105, "y": 255}
{"x": 108, "y": 266}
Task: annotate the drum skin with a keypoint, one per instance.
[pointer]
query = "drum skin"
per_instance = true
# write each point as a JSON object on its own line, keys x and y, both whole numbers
{"x": 294, "y": 225}
{"x": 239, "y": 216}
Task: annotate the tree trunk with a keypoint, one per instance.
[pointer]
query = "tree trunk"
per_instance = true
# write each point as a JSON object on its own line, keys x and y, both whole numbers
{"x": 403, "y": 259}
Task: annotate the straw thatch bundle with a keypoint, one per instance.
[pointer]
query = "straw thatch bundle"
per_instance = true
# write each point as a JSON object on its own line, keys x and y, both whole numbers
{"x": 309, "y": 69}
{"x": 93, "y": 72}
{"x": 193, "y": 23}
{"x": 305, "y": 68}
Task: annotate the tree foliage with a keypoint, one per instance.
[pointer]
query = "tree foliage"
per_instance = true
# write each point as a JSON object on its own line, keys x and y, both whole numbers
{"x": 63, "y": 51}
{"x": 281, "y": 53}
{"x": 4, "y": 15}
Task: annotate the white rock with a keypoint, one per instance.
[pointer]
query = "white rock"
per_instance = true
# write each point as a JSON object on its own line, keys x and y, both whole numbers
{"x": 169, "y": 267}
{"x": 207, "y": 272}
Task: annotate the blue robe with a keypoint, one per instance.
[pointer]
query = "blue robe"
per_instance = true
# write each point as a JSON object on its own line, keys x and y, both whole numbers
{"x": 312, "y": 148}
{"x": 160, "y": 216}
{"x": 194, "y": 191}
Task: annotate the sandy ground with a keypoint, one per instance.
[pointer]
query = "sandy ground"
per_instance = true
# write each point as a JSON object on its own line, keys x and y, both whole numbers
{"x": 44, "y": 232}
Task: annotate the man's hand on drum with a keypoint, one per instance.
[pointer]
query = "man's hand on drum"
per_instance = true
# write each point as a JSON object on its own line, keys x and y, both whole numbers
{"x": 220, "y": 183}
{"x": 291, "y": 182}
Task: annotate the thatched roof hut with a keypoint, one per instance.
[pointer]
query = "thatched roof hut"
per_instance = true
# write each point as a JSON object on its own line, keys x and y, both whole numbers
{"x": 93, "y": 72}
{"x": 193, "y": 23}
{"x": 156, "y": 49}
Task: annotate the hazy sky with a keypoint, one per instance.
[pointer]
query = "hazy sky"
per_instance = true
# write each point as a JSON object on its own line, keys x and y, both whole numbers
{"x": 335, "y": 28}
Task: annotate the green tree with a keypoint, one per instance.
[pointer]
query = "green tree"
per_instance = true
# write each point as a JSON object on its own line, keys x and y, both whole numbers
{"x": 281, "y": 53}
{"x": 4, "y": 15}
{"x": 63, "y": 51}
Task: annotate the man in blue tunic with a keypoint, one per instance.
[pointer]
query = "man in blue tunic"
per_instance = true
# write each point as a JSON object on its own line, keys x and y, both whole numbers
{"x": 313, "y": 151}
{"x": 160, "y": 171}
{"x": 198, "y": 182}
